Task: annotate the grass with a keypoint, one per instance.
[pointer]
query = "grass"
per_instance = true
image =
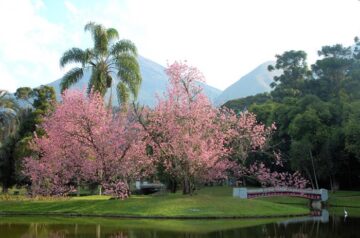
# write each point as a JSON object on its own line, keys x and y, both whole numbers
{"x": 208, "y": 202}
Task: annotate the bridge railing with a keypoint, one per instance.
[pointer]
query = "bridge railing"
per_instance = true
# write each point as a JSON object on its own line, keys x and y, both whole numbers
{"x": 312, "y": 194}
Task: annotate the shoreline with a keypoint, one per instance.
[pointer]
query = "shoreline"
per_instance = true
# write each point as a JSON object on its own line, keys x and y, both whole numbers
{"x": 9, "y": 214}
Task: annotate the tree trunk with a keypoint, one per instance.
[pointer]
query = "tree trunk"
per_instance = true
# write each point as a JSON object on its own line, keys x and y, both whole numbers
{"x": 5, "y": 188}
{"x": 331, "y": 185}
{"x": 110, "y": 99}
{"x": 186, "y": 186}
{"x": 310, "y": 177}
{"x": 314, "y": 171}
{"x": 78, "y": 187}
{"x": 100, "y": 190}
{"x": 172, "y": 186}
{"x": 349, "y": 175}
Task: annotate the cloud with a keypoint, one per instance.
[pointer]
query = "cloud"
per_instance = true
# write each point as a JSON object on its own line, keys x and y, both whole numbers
{"x": 71, "y": 7}
{"x": 29, "y": 44}
{"x": 7, "y": 81}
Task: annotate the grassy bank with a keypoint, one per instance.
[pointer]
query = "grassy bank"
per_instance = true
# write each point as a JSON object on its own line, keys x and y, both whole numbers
{"x": 208, "y": 202}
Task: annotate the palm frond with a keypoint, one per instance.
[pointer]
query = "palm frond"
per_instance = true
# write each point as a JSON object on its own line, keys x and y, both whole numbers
{"x": 71, "y": 77}
{"x": 8, "y": 101}
{"x": 123, "y": 46}
{"x": 129, "y": 72}
{"x": 8, "y": 122}
{"x": 99, "y": 35}
{"x": 98, "y": 81}
{"x": 122, "y": 93}
{"x": 74, "y": 55}
{"x": 112, "y": 34}
{"x": 90, "y": 26}
{"x": 3, "y": 93}
{"x": 6, "y": 115}
{"x": 89, "y": 56}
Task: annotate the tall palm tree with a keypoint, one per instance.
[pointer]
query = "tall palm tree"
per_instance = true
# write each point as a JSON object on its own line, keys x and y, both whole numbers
{"x": 106, "y": 58}
{"x": 8, "y": 115}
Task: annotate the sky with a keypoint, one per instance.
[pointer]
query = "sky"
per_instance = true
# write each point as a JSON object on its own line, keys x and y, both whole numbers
{"x": 225, "y": 39}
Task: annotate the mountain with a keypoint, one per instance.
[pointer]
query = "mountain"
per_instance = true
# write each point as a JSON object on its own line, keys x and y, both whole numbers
{"x": 154, "y": 82}
{"x": 257, "y": 81}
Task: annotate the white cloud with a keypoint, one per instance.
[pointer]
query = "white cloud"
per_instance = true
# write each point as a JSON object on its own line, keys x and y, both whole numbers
{"x": 29, "y": 44}
{"x": 6, "y": 80}
{"x": 71, "y": 7}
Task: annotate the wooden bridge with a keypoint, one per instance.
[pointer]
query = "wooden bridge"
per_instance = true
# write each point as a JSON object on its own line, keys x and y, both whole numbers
{"x": 311, "y": 194}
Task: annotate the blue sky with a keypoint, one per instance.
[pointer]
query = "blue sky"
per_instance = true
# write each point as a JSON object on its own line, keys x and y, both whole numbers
{"x": 223, "y": 38}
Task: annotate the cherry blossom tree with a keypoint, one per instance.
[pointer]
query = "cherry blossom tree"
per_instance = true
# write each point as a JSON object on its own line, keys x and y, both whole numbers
{"x": 245, "y": 136}
{"x": 191, "y": 141}
{"x": 182, "y": 130}
{"x": 85, "y": 142}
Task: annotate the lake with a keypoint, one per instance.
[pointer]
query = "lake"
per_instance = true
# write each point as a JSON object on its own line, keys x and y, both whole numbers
{"x": 329, "y": 225}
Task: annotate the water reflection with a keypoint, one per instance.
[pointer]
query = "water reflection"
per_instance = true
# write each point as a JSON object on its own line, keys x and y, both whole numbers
{"x": 326, "y": 225}
{"x": 319, "y": 216}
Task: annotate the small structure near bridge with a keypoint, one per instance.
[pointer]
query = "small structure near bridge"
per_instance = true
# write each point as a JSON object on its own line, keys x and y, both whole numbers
{"x": 316, "y": 196}
{"x": 149, "y": 188}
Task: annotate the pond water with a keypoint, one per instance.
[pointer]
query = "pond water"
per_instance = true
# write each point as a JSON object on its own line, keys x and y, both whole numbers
{"x": 41, "y": 227}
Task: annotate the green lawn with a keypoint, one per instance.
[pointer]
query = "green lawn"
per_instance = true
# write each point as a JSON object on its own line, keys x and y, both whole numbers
{"x": 208, "y": 202}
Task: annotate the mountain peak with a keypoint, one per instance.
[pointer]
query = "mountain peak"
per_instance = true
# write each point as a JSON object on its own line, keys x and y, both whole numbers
{"x": 256, "y": 81}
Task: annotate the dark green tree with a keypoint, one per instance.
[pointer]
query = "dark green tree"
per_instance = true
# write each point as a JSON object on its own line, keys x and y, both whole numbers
{"x": 40, "y": 101}
{"x": 332, "y": 70}
{"x": 8, "y": 115}
{"x": 294, "y": 73}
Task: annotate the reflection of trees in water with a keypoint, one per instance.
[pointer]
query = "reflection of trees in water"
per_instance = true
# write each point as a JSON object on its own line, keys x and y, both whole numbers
{"x": 41, "y": 231}
{"x": 336, "y": 227}
{"x": 36, "y": 230}
{"x": 119, "y": 234}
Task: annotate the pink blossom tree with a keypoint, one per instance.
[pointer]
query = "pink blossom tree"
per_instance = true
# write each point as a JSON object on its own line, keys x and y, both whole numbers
{"x": 246, "y": 136}
{"x": 183, "y": 132}
{"x": 85, "y": 142}
{"x": 191, "y": 141}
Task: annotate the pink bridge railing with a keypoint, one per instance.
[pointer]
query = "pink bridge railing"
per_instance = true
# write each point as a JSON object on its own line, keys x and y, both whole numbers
{"x": 311, "y": 194}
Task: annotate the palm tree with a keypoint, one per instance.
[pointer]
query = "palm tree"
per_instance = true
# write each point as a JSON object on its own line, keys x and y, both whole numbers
{"x": 106, "y": 58}
{"x": 8, "y": 115}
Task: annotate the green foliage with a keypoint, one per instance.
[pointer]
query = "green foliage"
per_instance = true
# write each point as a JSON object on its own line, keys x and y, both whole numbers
{"x": 40, "y": 102}
{"x": 9, "y": 109}
{"x": 294, "y": 73}
{"x": 241, "y": 104}
{"x": 352, "y": 129}
{"x": 317, "y": 113}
